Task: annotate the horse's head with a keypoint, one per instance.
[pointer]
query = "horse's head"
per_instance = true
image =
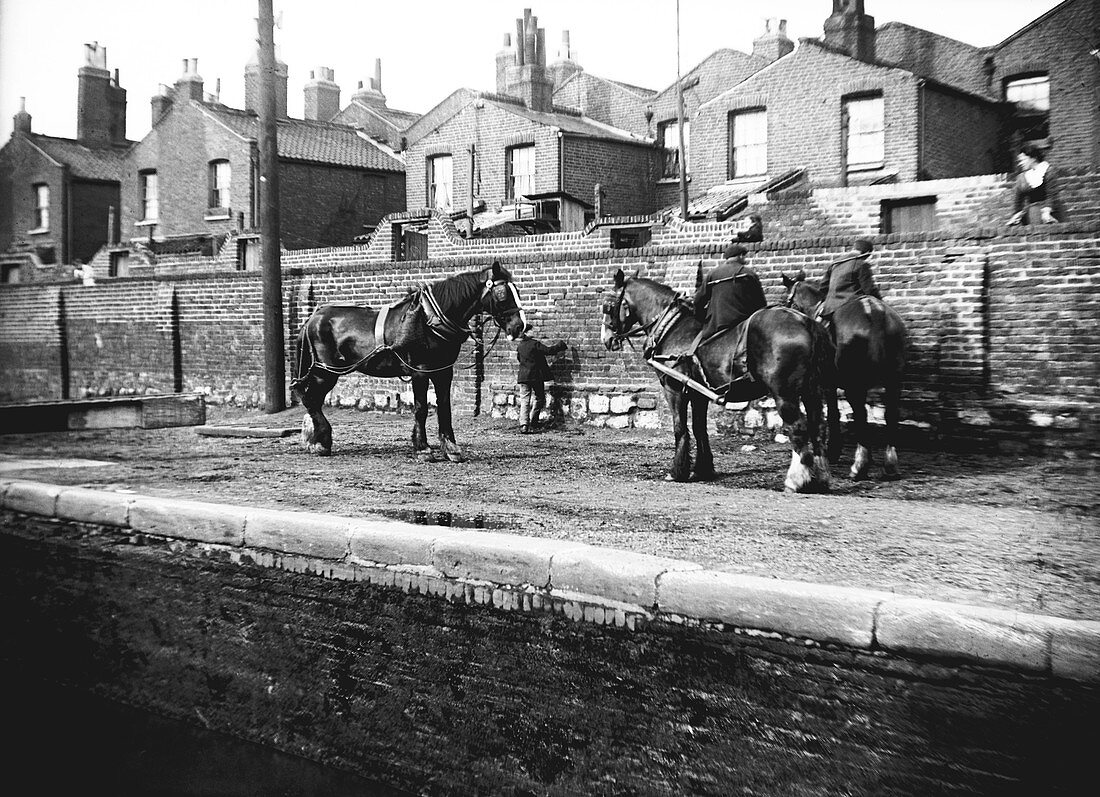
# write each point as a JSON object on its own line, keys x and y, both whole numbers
{"x": 618, "y": 314}
{"x": 500, "y": 299}
{"x": 801, "y": 295}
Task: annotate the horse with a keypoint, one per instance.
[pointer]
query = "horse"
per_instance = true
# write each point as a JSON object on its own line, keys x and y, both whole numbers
{"x": 871, "y": 341}
{"x": 431, "y": 323}
{"x": 789, "y": 357}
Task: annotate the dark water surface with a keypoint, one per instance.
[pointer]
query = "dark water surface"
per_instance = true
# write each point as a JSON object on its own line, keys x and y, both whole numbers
{"x": 65, "y": 742}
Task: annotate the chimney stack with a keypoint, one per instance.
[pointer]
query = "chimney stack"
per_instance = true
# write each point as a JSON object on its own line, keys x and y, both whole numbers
{"x": 565, "y": 67}
{"x": 322, "y": 100}
{"x": 160, "y": 103}
{"x": 526, "y": 78}
{"x": 189, "y": 84}
{"x": 773, "y": 43}
{"x": 850, "y": 30}
{"x": 371, "y": 94}
{"x": 252, "y": 86}
{"x": 101, "y": 102}
{"x": 22, "y": 118}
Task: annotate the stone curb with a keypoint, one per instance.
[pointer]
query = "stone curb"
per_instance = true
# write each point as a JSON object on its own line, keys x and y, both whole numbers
{"x": 607, "y": 581}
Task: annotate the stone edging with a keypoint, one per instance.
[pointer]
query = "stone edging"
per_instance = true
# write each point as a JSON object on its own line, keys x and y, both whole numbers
{"x": 584, "y": 582}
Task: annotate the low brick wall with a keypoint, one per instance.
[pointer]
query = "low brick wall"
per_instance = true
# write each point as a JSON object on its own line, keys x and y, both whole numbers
{"x": 447, "y": 661}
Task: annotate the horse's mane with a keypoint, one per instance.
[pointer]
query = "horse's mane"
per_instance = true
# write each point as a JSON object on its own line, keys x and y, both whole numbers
{"x": 659, "y": 287}
{"x": 457, "y": 288}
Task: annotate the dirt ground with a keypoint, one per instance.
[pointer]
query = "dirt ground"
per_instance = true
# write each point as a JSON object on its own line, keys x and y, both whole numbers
{"x": 1017, "y": 532}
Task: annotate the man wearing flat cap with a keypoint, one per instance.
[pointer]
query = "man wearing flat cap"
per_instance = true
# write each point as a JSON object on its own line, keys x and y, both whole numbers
{"x": 848, "y": 278}
{"x": 730, "y": 293}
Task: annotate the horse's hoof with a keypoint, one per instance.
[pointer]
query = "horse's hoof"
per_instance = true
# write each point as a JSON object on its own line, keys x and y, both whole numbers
{"x": 704, "y": 476}
{"x": 318, "y": 449}
{"x": 454, "y": 456}
{"x": 890, "y": 475}
{"x": 426, "y": 455}
{"x": 857, "y": 475}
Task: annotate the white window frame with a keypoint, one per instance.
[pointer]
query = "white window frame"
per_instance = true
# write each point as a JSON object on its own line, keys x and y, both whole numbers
{"x": 41, "y": 208}
{"x": 1029, "y": 94}
{"x": 749, "y": 143}
{"x": 865, "y": 132}
{"x": 670, "y": 140}
{"x": 521, "y": 181}
{"x": 441, "y": 182}
{"x": 221, "y": 181}
{"x": 150, "y": 196}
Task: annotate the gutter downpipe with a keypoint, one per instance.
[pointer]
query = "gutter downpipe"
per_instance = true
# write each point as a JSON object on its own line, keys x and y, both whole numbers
{"x": 680, "y": 123}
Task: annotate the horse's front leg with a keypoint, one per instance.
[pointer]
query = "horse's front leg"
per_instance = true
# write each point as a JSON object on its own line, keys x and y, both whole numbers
{"x": 704, "y": 459}
{"x": 800, "y": 474}
{"x": 420, "y": 416}
{"x": 857, "y": 398}
{"x": 316, "y": 430}
{"x": 681, "y": 460}
{"x": 818, "y": 437}
{"x": 442, "y": 381}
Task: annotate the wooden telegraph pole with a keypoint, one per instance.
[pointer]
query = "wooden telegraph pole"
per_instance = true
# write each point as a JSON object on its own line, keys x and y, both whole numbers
{"x": 274, "y": 346}
{"x": 680, "y": 124}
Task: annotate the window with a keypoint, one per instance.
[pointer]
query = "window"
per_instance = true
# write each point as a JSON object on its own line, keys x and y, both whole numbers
{"x": 150, "y": 207}
{"x": 119, "y": 265}
{"x": 440, "y": 171}
{"x": 248, "y": 254}
{"x": 1030, "y": 98}
{"x": 520, "y": 171}
{"x": 865, "y": 139}
{"x": 668, "y": 134}
{"x": 630, "y": 237}
{"x": 41, "y": 207}
{"x": 748, "y": 143}
{"x": 220, "y": 176}
{"x": 913, "y": 214}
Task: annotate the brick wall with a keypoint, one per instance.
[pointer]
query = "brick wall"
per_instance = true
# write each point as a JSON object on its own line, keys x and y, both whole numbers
{"x": 605, "y": 101}
{"x": 998, "y": 317}
{"x": 445, "y": 695}
{"x": 961, "y": 135}
{"x": 22, "y": 166}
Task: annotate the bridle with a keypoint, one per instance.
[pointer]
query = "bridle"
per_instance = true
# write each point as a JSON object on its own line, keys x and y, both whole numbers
{"x": 622, "y": 329}
{"x": 498, "y": 292}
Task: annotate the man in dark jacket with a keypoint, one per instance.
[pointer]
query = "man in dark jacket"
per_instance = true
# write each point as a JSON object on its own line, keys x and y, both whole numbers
{"x": 533, "y": 374}
{"x": 729, "y": 294}
{"x": 847, "y": 278}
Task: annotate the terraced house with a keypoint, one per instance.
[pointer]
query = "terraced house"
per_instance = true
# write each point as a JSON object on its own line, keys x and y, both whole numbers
{"x": 59, "y": 196}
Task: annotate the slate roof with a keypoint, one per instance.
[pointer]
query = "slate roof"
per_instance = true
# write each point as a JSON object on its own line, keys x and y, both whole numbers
{"x": 317, "y": 142}
{"x": 570, "y": 123}
{"x": 83, "y": 162}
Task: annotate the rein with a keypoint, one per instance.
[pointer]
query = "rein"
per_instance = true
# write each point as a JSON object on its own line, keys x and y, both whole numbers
{"x": 654, "y": 331}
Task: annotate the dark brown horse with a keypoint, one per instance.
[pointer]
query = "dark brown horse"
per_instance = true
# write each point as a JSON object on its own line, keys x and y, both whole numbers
{"x": 430, "y": 325}
{"x": 789, "y": 357}
{"x": 870, "y": 353}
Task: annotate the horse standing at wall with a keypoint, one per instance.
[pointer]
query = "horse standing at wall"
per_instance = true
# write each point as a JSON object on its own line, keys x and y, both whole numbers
{"x": 871, "y": 342}
{"x": 425, "y": 331}
{"x": 789, "y": 357}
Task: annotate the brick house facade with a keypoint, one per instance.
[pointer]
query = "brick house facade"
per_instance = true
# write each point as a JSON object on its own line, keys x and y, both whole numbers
{"x": 204, "y": 159}
{"x": 564, "y": 150}
{"x": 59, "y": 197}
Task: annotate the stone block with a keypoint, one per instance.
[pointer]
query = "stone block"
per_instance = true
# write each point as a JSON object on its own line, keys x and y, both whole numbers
{"x": 615, "y": 575}
{"x": 392, "y": 542}
{"x": 499, "y": 558}
{"x": 32, "y": 498}
{"x": 304, "y": 533}
{"x": 815, "y": 611}
{"x": 599, "y": 403}
{"x": 189, "y": 520}
{"x": 93, "y": 506}
{"x": 621, "y": 404}
{"x": 989, "y": 636}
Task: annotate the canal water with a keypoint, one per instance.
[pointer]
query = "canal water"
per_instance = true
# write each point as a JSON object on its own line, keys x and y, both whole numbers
{"x": 65, "y": 742}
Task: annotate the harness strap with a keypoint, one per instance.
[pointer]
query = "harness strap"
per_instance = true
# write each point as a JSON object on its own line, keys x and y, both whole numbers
{"x": 438, "y": 323}
{"x": 380, "y": 327}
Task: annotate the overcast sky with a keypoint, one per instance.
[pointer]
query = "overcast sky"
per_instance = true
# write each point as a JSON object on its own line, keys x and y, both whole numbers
{"x": 428, "y": 48}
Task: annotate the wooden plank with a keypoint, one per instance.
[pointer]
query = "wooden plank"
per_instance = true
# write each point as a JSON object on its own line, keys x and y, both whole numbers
{"x": 244, "y": 431}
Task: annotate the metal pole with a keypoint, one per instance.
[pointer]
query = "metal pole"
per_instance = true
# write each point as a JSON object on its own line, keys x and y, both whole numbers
{"x": 680, "y": 123}
{"x": 274, "y": 348}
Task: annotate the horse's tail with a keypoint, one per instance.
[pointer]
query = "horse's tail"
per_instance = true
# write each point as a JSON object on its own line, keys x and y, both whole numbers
{"x": 304, "y": 357}
{"x": 877, "y": 354}
{"x": 822, "y": 372}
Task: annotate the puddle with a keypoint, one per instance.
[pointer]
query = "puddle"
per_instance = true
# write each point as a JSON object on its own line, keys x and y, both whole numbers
{"x": 422, "y": 518}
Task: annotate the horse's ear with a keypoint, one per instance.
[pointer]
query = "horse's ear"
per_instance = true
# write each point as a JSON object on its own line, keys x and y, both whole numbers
{"x": 620, "y": 278}
{"x": 500, "y": 272}
{"x": 787, "y": 281}
{"x": 800, "y": 276}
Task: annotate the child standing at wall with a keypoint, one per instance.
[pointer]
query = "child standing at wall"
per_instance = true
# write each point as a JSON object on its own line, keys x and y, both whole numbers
{"x": 534, "y": 372}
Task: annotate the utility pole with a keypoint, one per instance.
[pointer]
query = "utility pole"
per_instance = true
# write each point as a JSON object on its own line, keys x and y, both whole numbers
{"x": 274, "y": 347}
{"x": 680, "y": 123}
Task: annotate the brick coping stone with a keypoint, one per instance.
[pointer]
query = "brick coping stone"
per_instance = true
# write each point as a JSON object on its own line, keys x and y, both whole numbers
{"x": 584, "y": 582}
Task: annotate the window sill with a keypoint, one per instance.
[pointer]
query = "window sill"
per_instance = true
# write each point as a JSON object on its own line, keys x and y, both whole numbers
{"x": 147, "y": 223}
{"x": 676, "y": 179}
{"x": 38, "y": 231}
{"x": 866, "y": 167}
{"x": 218, "y": 214}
